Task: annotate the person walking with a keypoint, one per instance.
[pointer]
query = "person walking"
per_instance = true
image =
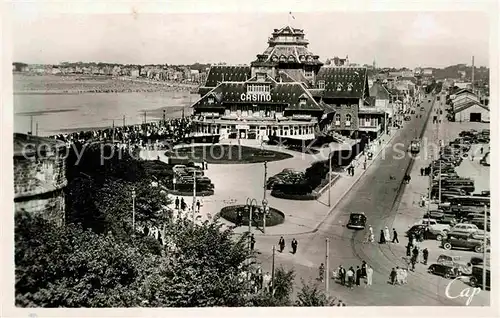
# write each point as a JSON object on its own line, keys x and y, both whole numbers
{"x": 266, "y": 281}
{"x": 198, "y": 204}
{"x": 482, "y": 150}
{"x": 177, "y": 203}
{"x": 363, "y": 269}
{"x": 294, "y": 246}
{"x": 369, "y": 275}
{"x": 422, "y": 171}
{"x": 358, "y": 276}
{"x": 321, "y": 276}
{"x": 393, "y": 276}
{"x": 387, "y": 235}
{"x": 394, "y": 236}
{"x": 425, "y": 254}
{"x": 382, "y": 237}
{"x": 350, "y": 277}
{"x": 281, "y": 244}
{"x": 408, "y": 249}
{"x": 342, "y": 274}
{"x": 183, "y": 204}
{"x": 252, "y": 242}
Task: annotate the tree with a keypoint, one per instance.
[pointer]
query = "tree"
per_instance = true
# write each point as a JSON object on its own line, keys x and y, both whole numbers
{"x": 70, "y": 267}
{"x": 311, "y": 296}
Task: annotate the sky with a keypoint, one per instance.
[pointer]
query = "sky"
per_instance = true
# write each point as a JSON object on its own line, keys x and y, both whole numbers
{"x": 391, "y": 39}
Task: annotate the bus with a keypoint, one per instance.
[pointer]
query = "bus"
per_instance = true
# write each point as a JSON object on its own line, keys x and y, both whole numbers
{"x": 469, "y": 200}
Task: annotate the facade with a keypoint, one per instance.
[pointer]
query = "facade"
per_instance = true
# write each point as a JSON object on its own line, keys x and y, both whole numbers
{"x": 286, "y": 91}
{"x": 472, "y": 112}
{"x": 39, "y": 176}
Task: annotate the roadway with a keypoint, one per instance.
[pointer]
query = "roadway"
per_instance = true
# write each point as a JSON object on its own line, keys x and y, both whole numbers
{"x": 377, "y": 195}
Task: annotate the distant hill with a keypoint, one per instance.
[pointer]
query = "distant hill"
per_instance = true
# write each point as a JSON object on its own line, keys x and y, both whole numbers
{"x": 454, "y": 71}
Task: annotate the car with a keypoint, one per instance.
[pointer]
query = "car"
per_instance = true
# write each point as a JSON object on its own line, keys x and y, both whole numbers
{"x": 434, "y": 224}
{"x": 446, "y": 271}
{"x": 425, "y": 232}
{"x": 476, "y": 260}
{"x": 434, "y": 214}
{"x": 464, "y": 228}
{"x": 469, "y": 242}
{"x": 476, "y": 279}
{"x": 357, "y": 220}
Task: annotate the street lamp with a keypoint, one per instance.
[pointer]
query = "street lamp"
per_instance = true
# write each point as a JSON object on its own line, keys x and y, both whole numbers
{"x": 133, "y": 212}
{"x": 264, "y": 214}
{"x": 250, "y": 205}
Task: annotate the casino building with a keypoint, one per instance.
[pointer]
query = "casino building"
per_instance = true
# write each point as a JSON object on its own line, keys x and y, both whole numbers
{"x": 286, "y": 92}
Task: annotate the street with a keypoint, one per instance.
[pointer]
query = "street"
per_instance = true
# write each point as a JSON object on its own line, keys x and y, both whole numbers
{"x": 375, "y": 194}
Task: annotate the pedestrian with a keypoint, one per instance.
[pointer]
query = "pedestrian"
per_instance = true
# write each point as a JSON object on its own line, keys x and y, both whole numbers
{"x": 239, "y": 218}
{"x": 408, "y": 249}
{"x": 177, "y": 203}
{"x": 369, "y": 275}
{"x": 394, "y": 236}
{"x": 364, "y": 165}
{"x": 350, "y": 277}
{"x": 421, "y": 171}
{"x": 321, "y": 276}
{"x": 198, "y": 204}
{"x": 342, "y": 274}
{"x": 341, "y": 304}
{"x": 405, "y": 276}
{"x": 387, "y": 235}
{"x": 382, "y": 237}
{"x": 183, "y": 204}
{"x": 358, "y": 276}
{"x": 266, "y": 281}
{"x": 294, "y": 246}
{"x": 482, "y": 150}
{"x": 425, "y": 254}
{"x": 399, "y": 276}
{"x": 281, "y": 244}
{"x": 363, "y": 269}
{"x": 252, "y": 242}
{"x": 393, "y": 276}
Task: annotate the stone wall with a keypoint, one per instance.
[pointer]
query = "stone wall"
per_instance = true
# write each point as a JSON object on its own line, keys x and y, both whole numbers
{"x": 51, "y": 208}
{"x": 36, "y": 176}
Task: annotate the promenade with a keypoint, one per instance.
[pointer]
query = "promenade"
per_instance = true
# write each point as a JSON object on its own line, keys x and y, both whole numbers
{"x": 234, "y": 183}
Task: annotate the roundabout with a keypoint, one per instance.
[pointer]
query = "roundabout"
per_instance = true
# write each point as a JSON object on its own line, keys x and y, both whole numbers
{"x": 240, "y": 215}
{"x": 226, "y": 154}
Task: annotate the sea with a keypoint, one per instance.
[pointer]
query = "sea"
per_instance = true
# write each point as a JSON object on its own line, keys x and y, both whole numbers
{"x": 59, "y": 113}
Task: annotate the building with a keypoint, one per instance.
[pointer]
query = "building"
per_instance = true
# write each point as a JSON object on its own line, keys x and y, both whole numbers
{"x": 286, "y": 91}
{"x": 39, "y": 176}
{"x": 472, "y": 111}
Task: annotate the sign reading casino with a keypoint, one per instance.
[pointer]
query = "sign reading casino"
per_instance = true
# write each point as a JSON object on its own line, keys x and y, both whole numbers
{"x": 249, "y": 97}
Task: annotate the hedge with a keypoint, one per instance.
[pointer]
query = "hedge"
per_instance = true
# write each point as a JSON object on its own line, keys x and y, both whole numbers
{"x": 274, "y": 217}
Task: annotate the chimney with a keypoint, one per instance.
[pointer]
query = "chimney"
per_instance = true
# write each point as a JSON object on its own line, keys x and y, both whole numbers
{"x": 472, "y": 74}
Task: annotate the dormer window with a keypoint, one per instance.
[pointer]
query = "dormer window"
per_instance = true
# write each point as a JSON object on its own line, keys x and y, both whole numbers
{"x": 211, "y": 100}
{"x": 302, "y": 101}
{"x": 321, "y": 84}
{"x": 339, "y": 87}
{"x": 261, "y": 76}
{"x": 349, "y": 87}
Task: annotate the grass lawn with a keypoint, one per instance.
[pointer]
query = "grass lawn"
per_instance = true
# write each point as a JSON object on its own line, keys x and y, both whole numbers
{"x": 274, "y": 217}
{"x": 227, "y": 154}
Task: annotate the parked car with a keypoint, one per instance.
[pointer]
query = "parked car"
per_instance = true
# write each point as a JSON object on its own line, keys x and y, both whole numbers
{"x": 476, "y": 279}
{"x": 469, "y": 242}
{"x": 464, "y": 228}
{"x": 425, "y": 232}
{"x": 434, "y": 224}
{"x": 476, "y": 260}
{"x": 450, "y": 266}
{"x": 357, "y": 221}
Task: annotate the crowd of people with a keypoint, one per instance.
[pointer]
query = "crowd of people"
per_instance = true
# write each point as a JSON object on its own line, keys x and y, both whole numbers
{"x": 173, "y": 130}
{"x": 385, "y": 236}
{"x": 350, "y": 277}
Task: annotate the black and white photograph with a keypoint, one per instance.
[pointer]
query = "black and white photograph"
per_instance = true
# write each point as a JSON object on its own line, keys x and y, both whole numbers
{"x": 294, "y": 157}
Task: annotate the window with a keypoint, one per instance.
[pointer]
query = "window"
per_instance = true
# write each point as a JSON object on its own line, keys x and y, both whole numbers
{"x": 348, "y": 119}
{"x": 339, "y": 87}
{"x": 337, "y": 119}
{"x": 210, "y": 100}
{"x": 308, "y": 73}
{"x": 302, "y": 102}
{"x": 349, "y": 87}
{"x": 321, "y": 84}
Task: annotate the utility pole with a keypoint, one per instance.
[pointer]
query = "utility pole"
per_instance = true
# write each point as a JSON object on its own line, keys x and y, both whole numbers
{"x": 264, "y": 201}
{"x": 145, "y": 122}
{"x": 36, "y": 134}
{"x": 485, "y": 244}
{"x": 113, "y": 138}
{"x": 194, "y": 194}
{"x": 439, "y": 141}
{"x": 327, "y": 283}
{"x": 272, "y": 271}
{"x": 430, "y": 192}
{"x": 123, "y": 121}
{"x": 329, "y": 178}
{"x": 133, "y": 212}
{"x": 31, "y": 125}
